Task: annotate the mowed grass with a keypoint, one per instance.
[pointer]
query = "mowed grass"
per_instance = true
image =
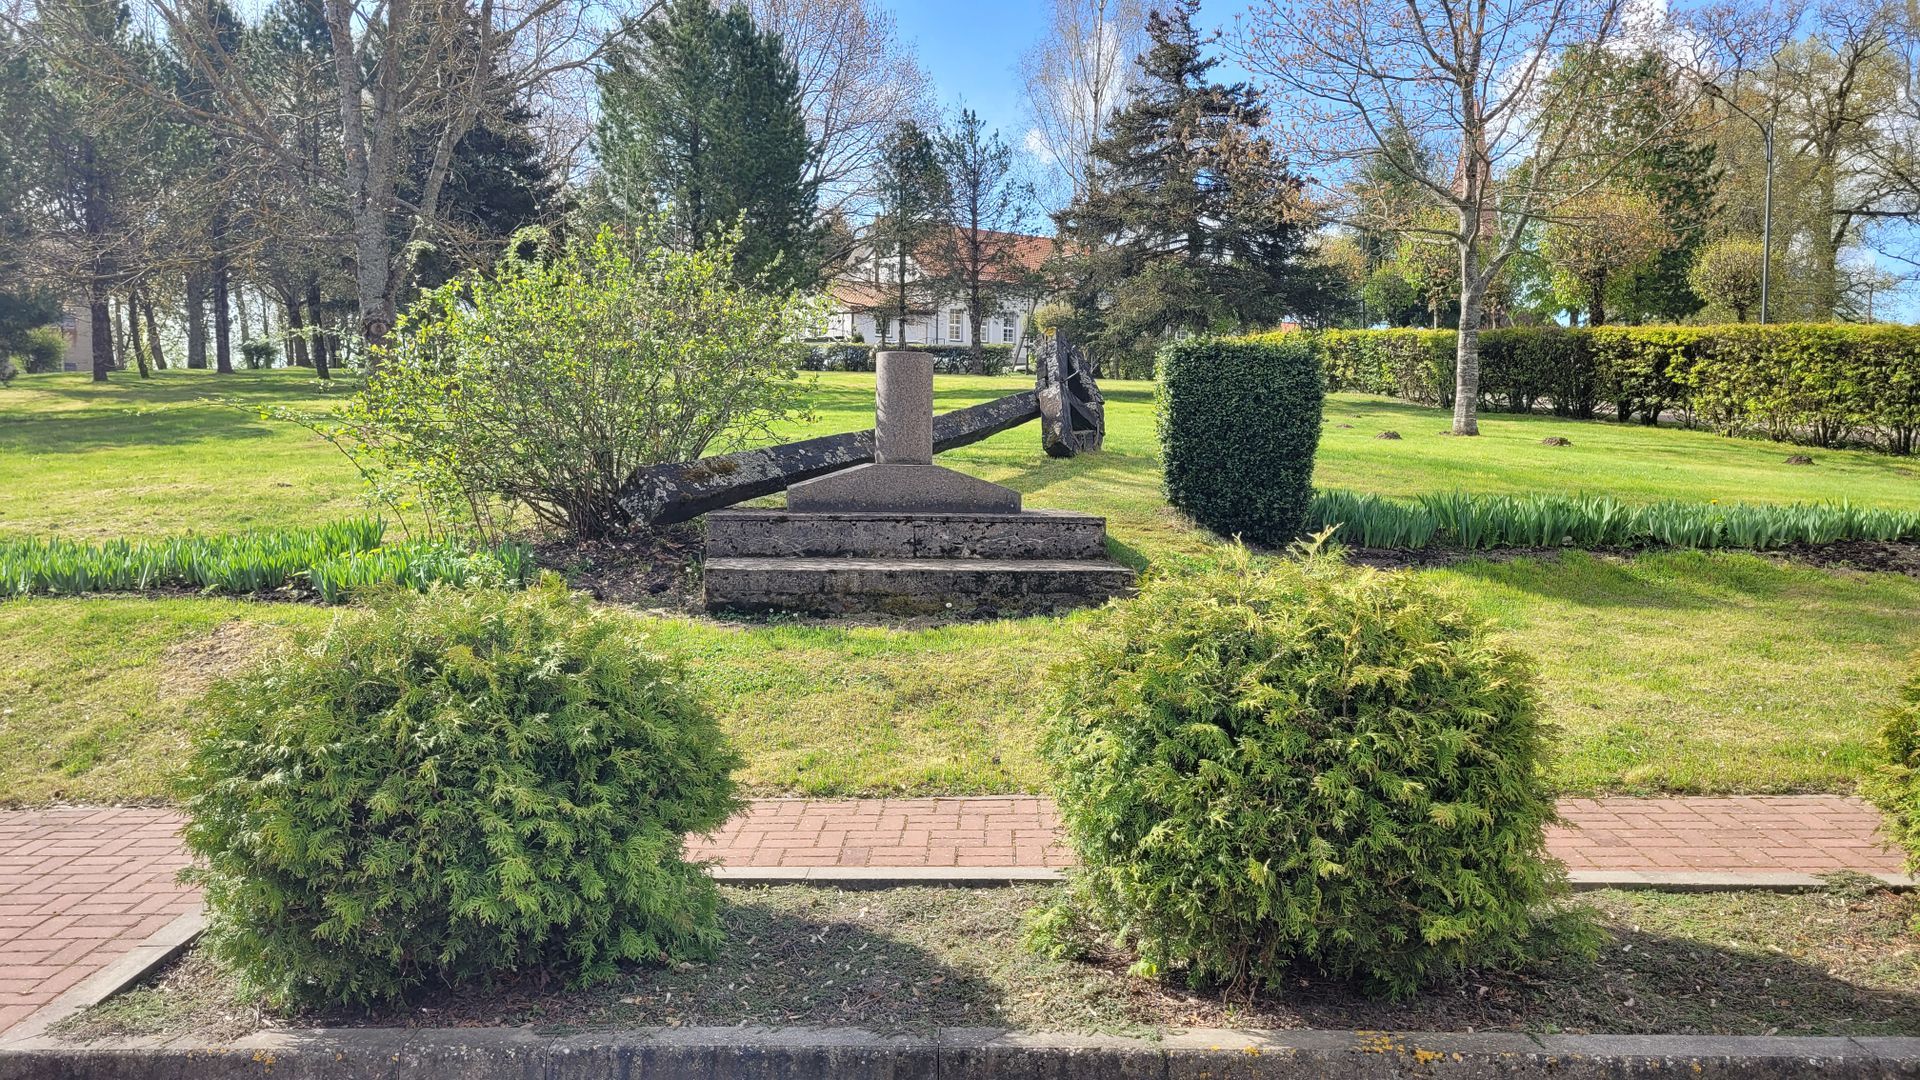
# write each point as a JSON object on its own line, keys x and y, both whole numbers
{"x": 131, "y": 458}
{"x": 1672, "y": 671}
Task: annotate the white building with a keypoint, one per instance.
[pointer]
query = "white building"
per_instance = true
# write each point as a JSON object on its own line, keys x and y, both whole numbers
{"x": 867, "y": 296}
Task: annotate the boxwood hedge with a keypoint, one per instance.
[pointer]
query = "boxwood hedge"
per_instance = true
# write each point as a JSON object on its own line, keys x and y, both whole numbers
{"x": 1239, "y": 424}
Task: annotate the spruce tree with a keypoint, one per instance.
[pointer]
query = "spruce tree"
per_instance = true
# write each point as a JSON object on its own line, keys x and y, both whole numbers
{"x": 1194, "y": 225}
{"x": 913, "y": 199}
{"x": 701, "y": 119}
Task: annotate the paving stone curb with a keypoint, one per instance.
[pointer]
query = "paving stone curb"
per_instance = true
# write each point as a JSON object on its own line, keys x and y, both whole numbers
{"x": 954, "y": 1054}
{"x": 122, "y": 972}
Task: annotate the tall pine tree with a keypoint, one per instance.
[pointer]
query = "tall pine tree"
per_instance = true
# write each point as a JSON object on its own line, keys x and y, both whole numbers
{"x": 1194, "y": 225}
{"x": 701, "y": 118}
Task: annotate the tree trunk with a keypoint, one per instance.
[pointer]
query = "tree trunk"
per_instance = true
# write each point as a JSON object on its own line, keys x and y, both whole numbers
{"x": 101, "y": 322}
{"x": 153, "y": 331}
{"x": 1597, "y": 302}
{"x": 196, "y": 321}
{"x": 222, "y": 318}
{"x": 322, "y": 346}
{"x": 239, "y": 293}
{"x": 1466, "y": 356}
{"x": 296, "y": 331}
{"x": 133, "y": 337}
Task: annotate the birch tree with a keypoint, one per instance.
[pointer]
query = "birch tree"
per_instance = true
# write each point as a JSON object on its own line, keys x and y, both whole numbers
{"x": 1469, "y": 85}
{"x": 1077, "y": 77}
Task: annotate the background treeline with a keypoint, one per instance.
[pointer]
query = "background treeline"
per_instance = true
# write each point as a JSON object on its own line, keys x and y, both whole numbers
{"x": 1823, "y": 384}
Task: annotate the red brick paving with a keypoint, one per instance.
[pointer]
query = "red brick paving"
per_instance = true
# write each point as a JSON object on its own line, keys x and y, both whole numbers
{"x": 80, "y": 886}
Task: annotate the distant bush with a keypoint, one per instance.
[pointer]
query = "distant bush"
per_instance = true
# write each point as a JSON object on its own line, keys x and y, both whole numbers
{"x": 44, "y": 349}
{"x": 1239, "y": 425}
{"x": 545, "y": 384}
{"x": 1305, "y": 765}
{"x": 1817, "y": 383}
{"x": 1459, "y": 519}
{"x": 259, "y": 355}
{"x": 947, "y": 359}
{"x": 335, "y": 562}
{"x": 1895, "y": 786}
{"x": 450, "y": 788}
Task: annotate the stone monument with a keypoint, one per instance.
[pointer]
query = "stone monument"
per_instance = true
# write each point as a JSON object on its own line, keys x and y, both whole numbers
{"x": 901, "y": 535}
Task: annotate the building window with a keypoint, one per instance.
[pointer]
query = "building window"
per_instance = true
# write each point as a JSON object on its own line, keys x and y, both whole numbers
{"x": 1006, "y": 329}
{"x": 954, "y": 333}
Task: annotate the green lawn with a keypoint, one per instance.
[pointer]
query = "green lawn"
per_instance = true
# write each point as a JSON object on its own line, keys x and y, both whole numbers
{"x": 1672, "y": 671}
{"x": 138, "y": 458}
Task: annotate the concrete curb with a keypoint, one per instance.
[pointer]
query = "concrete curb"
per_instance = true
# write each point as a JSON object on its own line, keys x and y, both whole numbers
{"x": 130, "y": 967}
{"x": 947, "y": 1054}
{"x": 1718, "y": 880}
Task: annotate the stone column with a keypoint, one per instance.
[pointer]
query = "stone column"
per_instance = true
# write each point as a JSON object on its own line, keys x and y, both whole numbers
{"x": 903, "y": 409}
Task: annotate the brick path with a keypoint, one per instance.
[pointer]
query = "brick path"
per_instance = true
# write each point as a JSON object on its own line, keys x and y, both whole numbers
{"x": 81, "y": 886}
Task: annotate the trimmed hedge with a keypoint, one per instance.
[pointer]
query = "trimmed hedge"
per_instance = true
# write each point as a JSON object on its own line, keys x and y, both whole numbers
{"x": 1305, "y": 765}
{"x": 1239, "y": 424}
{"x": 451, "y": 788}
{"x": 947, "y": 359}
{"x": 1821, "y": 383}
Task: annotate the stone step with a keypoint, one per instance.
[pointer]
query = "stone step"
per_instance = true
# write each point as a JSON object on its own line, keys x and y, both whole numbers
{"x": 1032, "y": 534}
{"x": 894, "y": 586}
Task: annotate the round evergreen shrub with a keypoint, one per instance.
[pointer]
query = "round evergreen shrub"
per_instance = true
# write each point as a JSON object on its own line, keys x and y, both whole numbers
{"x": 1895, "y": 786}
{"x": 1239, "y": 425}
{"x": 1306, "y": 766}
{"x": 448, "y": 787}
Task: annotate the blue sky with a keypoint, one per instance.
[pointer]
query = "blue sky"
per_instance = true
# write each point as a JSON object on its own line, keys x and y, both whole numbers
{"x": 972, "y": 50}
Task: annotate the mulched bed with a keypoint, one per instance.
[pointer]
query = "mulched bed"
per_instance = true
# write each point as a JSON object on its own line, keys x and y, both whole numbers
{"x": 648, "y": 570}
{"x": 1841, "y": 961}
{"x": 1900, "y": 557}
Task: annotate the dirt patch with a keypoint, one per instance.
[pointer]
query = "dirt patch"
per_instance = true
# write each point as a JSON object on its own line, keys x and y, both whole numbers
{"x": 653, "y": 570}
{"x": 1434, "y": 557}
{"x": 190, "y": 668}
{"x": 1877, "y": 556}
{"x": 1835, "y": 962}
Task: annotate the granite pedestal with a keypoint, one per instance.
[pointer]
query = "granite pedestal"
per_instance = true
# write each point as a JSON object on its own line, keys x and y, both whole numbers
{"x": 904, "y": 536}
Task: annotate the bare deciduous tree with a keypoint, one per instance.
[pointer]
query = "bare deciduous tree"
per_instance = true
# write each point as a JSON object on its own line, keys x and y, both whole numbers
{"x": 857, "y": 80}
{"x": 1479, "y": 88}
{"x": 1077, "y": 76}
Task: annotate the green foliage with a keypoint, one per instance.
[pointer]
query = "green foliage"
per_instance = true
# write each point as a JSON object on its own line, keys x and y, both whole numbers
{"x": 546, "y": 384}
{"x": 1458, "y": 519}
{"x": 451, "y": 787}
{"x": 1239, "y": 424}
{"x": 259, "y": 355}
{"x": 1305, "y": 764}
{"x": 947, "y": 359}
{"x": 1195, "y": 224}
{"x": 1821, "y": 383}
{"x": 43, "y": 347}
{"x": 1895, "y": 785}
{"x": 701, "y": 120}
{"x": 336, "y": 562}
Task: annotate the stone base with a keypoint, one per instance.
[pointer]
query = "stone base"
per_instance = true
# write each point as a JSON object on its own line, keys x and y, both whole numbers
{"x": 901, "y": 489}
{"x": 1031, "y": 534}
{"x": 957, "y": 565}
{"x": 892, "y": 586}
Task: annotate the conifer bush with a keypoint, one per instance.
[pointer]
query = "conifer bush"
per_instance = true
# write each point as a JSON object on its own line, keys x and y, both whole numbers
{"x": 1239, "y": 425}
{"x": 446, "y": 788}
{"x": 1895, "y": 787}
{"x": 1306, "y": 766}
